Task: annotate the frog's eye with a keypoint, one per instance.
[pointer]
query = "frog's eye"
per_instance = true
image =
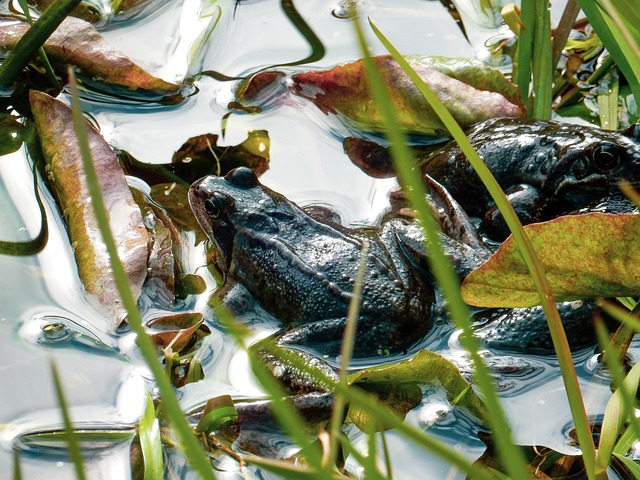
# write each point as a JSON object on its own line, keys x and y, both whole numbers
{"x": 213, "y": 205}
{"x": 606, "y": 157}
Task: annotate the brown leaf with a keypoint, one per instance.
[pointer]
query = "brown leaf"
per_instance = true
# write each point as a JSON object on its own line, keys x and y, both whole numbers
{"x": 177, "y": 330}
{"x": 54, "y": 124}
{"x": 471, "y": 91}
{"x": 78, "y": 43}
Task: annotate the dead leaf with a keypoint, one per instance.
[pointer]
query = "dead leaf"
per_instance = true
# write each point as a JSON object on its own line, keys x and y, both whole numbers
{"x": 54, "y": 124}
{"x": 78, "y": 43}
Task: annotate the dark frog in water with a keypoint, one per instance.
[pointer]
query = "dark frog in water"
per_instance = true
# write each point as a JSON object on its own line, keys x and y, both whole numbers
{"x": 302, "y": 271}
{"x": 546, "y": 168}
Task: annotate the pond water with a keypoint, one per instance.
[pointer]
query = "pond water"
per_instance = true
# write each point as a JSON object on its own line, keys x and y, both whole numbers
{"x": 103, "y": 375}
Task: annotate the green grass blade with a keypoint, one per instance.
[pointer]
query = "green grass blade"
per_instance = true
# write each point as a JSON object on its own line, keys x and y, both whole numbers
{"x": 33, "y": 39}
{"x": 286, "y": 415}
{"x": 151, "y": 443}
{"x": 348, "y": 342}
{"x": 386, "y": 417}
{"x": 618, "y": 26}
{"x": 558, "y": 335}
{"x": 542, "y": 67}
{"x": 447, "y": 279}
{"x": 633, "y": 467}
{"x": 72, "y": 442}
{"x": 17, "y": 472}
{"x": 522, "y": 70}
{"x": 188, "y": 442}
{"x": 43, "y": 55}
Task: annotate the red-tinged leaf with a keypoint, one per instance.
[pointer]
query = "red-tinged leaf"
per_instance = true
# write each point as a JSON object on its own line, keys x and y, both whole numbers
{"x": 78, "y": 43}
{"x": 589, "y": 255}
{"x": 85, "y": 10}
{"x": 178, "y": 331}
{"x": 471, "y": 91}
{"x": 54, "y": 125}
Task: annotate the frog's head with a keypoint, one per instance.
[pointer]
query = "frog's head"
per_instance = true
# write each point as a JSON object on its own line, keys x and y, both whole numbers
{"x": 596, "y": 162}
{"x": 237, "y": 203}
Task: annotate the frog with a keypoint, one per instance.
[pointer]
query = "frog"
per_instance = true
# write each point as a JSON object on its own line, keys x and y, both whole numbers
{"x": 302, "y": 270}
{"x": 546, "y": 168}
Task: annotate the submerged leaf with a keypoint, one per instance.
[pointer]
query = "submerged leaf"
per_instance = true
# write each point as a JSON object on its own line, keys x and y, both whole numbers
{"x": 589, "y": 255}
{"x": 201, "y": 155}
{"x": 471, "y": 91}
{"x": 178, "y": 331}
{"x": 78, "y": 43}
{"x": 423, "y": 368}
{"x": 58, "y": 139}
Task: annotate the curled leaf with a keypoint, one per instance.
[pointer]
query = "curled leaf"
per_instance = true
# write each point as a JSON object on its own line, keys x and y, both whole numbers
{"x": 78, "y": 43}
{"x": 178, "y": 331}
{"x": 54, "y": 125}
{"x": 589, "y": 255}
{"x": 471, "y": 92}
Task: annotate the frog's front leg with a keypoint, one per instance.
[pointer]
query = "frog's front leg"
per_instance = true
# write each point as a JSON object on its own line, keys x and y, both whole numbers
{"x": 313, "y": 342}
{"x": 529, "y": 204}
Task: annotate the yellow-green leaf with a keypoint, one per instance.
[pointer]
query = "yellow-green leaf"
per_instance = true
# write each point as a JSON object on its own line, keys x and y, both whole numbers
{"x": 425, "y": 367}
{"x": 590, "y": 255}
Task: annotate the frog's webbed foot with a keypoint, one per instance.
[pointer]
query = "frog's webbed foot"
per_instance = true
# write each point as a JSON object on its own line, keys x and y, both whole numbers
{"x": 529, "y": 204}
{"x": 295, "y": 380}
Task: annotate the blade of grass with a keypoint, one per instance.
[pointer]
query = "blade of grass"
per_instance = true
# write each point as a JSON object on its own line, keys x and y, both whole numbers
{"x": 617, "y": 26}
{"x": 33, "y": 39}
{"x": 72, "y": 442}
{"x": 188, "y": 441}
{"x": 522, "y": 70}
{"x": 17, "y": 473}
{"x": 151, "y": 443}
{"x": 346, "y": 351}
{"x": 459, "y": 310}
{"x": 620, "y": 406}
{"x": 446, "y": 277}
{"x": 286, "y": 415}
{"x": 383, "y": 414}
{"x": 563, "y": 30}
{"x": 542, "y": 67}
{"x": 43, "y": 55}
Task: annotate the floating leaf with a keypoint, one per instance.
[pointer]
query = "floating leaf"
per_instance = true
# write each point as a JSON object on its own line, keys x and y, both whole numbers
{"x": 218, "y": 412}
{"x": 423, "y": 368}
{"x": 54, "y": 125}
{"x": 78, "y": 43}
{"x": 178, "y": 331}
{"x": 471, "y": 92}
{"x": 589, "y": 255}
{"x": 201, "y": 155}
